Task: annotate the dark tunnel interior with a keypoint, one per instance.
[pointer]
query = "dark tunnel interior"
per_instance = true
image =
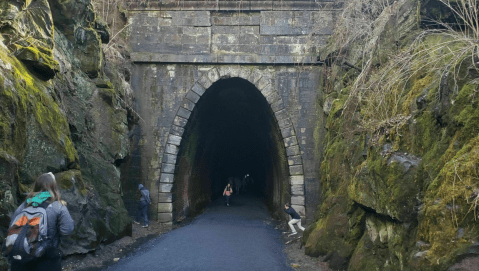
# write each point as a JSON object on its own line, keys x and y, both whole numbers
{"x": 231, "y": 132}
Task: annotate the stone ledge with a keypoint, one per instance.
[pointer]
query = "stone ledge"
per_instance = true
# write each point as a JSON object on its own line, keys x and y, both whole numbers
{"x": 174, "y": 140}
{"x": 167, "y": 178}
{"x": 148, "y": 57}
{"x": 168, "y": 168}
{"x": 165, "y": 217}
{"x": 212, "y": 5}
{"x": 166, "y": 197}
{"x": 165, "y": 207}
{"x": 296, "y": 180}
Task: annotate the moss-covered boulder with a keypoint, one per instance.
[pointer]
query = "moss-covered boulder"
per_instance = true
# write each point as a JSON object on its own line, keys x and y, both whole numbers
{"x": 55, "y": 117}
{"x": 27, "y": 29}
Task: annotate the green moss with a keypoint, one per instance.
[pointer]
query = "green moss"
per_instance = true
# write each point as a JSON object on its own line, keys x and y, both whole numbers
{"x": 68, "y": 179}
{"x": 30, "y": 98}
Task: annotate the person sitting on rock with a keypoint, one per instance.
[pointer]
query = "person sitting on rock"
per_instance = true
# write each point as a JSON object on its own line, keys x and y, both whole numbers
{"x": 295, "y": 219}
{"x": 145, "y": 202}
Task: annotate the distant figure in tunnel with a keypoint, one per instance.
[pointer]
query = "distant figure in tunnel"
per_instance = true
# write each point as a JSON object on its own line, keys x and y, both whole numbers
{"x": 145, "y": 202}
{"x": 237, "y": 184}
{"x": 247, "y": 182}
{"x": 227, "y": 192}
{"x": 295, "y": 219}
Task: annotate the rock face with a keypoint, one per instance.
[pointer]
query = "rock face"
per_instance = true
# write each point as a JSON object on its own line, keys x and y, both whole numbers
{"x": 398, "y": 192}
{"x": 63, "y": 108}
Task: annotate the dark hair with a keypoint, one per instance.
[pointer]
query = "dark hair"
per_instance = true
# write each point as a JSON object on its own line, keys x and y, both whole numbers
{"x": 287, "y": 204}
{"x": 46, "y": 182}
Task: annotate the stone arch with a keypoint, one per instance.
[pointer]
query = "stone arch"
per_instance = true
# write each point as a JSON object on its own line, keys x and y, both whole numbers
{"x": 264, "y": 82}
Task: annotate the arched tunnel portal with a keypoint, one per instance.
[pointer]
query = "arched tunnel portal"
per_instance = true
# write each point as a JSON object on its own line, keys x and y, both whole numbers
{"x": 231, "y": 132}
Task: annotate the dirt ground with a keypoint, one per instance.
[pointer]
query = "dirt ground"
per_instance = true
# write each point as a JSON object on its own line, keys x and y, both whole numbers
{"x": 107, "y": 255}
{"x": 295, "y": 252}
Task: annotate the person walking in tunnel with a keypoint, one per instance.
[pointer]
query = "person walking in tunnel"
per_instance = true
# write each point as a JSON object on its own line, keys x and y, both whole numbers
{"x": 145, "y": 202}
{"x": 227, "y": 192}
{"x": 295, "y": 219}
{"x": 237, "y": 185}
{"x": 39, "y": 222}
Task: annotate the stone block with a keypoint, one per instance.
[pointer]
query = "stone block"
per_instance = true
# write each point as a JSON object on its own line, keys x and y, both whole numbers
{"x": 192, "y": 96}
{"x": 166, "y": 187}
{"x": 287, "y": 132}
{"x": 169, "y": 158}
{"x": 165, "y": 217}
{"x": 165, "y": 207}
{"x": 174, "y": 140}
{"x": 290, "y": 141}
{"x": 256, "y": 77}
{"x": 281, "y": 114}
{"x": 177, "y": 130}
{"x": 191, "y": 18}
{"x": 179, "y": 121}
{"x": 296, "y": 170}
{"x": 268, "y": 90}
{"x": 198, "y": 89}
{"x": 296, "y": 180}
{"x": 274, "y": 97}
{"x": 188, "y": 104}
{"x": 294, "y": 160}
{"x": 244, "y": 73}
{"x": 213, "y": 75}
{"x": 168, "y": 168}
{"x": 293, "y": 151}
{"x": 228, "y": 71}
{"x": 297, "y": 200}
{"x": 264, "y": 81}
{"x": 299, "y": 209}
{"x": 167, "y": 178}
{"x": 193, "y": 49}
{"x": 184, "y": 113}
{"x": 285, "y": 123}
{"x": 166, "y": 197}
{"x": 277, "y": 106}
{"x": 205, "y": 82}
{"x": 297, "y": 190}
{"x": 171, "y": 149}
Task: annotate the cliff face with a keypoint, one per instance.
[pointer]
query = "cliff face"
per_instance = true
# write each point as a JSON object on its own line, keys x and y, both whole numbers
{"x": 64, "y": 109}
{"x": 400, "y": 171}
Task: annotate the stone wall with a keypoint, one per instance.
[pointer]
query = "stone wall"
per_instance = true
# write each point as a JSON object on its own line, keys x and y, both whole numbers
{"x": 253, "y": 37}
{"x": 181, "y": 47}
{"x": 165, "y": 100}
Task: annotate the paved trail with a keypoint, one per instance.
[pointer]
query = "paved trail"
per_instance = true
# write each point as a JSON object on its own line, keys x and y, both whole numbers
{"x": 238, "y": 237}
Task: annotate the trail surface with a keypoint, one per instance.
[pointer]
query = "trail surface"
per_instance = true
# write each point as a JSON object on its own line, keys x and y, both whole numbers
{"x": 236, "y": 237}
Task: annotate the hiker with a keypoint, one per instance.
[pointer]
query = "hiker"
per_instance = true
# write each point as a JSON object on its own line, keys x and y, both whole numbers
{"x": 145, "y": 202}
{"x": 43, "y": 204}
{"x": 295, "y": 219}
{"x": 227, "y": 192}
{"x": 237, "y": 185}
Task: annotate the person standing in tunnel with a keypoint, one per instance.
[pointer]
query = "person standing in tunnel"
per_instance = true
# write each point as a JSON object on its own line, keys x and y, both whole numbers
{"x": 227, "y": 192}
{"x": 145, "y": 202}
{"x": 295, "y": 219}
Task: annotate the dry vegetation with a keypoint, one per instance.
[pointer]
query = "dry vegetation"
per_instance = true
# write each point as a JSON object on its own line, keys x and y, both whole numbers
{"x": 381, "y": 92}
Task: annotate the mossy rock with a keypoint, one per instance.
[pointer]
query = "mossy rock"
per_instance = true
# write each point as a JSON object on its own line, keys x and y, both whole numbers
{"x": 41, "y": 60}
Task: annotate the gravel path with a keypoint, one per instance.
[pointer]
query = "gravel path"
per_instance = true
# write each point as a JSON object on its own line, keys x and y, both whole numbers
{"x": 236, "y": 237}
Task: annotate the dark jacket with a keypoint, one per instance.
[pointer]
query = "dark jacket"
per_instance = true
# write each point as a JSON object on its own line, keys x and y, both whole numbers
{"x": 292, "y": 213}
{"x": 56, "y": 212}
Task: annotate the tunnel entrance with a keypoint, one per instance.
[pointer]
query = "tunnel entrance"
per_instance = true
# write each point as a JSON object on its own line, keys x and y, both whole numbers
{"x": 231, "y": 132}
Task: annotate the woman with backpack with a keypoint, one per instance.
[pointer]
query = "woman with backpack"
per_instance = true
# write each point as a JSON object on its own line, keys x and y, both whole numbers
{"x": 227, "y": 192}
{"x": 44, "y": 254}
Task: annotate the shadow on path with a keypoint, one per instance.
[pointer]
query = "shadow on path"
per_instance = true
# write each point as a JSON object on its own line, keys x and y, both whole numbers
{"x": 236, "y": 237}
